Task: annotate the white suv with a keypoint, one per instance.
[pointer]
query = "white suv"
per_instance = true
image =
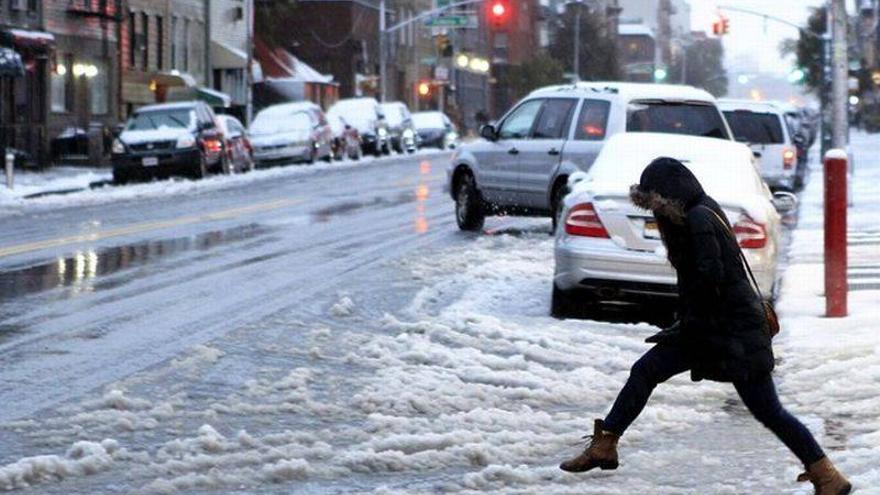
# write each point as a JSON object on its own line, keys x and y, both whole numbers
{"x": 764, "y": 128}
{"x": 523, "y": 163}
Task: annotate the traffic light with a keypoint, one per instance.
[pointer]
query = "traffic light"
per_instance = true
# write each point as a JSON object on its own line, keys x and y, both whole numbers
{"x": 721, "y": 26}
{"x": 444, "y": 46}
{"x": 499, "y": 13}
{"x": 424, "y": 89}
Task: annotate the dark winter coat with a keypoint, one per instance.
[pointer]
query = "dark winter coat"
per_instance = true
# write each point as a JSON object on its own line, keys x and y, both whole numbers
{"x": 721, "y": 317}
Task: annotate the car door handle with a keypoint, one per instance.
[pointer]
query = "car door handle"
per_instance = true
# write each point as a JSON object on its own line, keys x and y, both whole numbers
{"x": 553, "y": 152}
{"x": 513, "y": 151}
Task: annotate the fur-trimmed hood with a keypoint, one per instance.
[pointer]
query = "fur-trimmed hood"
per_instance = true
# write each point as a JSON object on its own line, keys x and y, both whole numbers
{"x": 668, "y": 189}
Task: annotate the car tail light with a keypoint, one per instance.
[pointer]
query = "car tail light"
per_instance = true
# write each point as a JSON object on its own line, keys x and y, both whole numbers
{"x": 213, "y": 145}
{"x": 750, "y": 234}
{"x": 584, "y": 221}
{"x": 789, "y": 157}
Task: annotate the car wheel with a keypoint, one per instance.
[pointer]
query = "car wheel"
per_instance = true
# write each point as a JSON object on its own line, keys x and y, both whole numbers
{"x": 469, "y": 212}
{"x": 120, "y": 178}
{"x": 556, "y": 206}
{"x": 200, "y": 171}
{"x": 563, "y": 304}
{"x": 312, "y": 154}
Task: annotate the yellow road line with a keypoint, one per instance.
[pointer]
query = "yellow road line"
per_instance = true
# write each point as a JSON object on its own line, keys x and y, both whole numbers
{"x": 148, "y": 226}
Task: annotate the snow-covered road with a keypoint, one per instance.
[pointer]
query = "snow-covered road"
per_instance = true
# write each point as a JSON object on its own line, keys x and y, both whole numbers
{"x": 343, "y": 337}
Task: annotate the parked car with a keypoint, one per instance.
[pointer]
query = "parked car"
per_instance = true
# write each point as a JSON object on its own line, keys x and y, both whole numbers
{"x": 435, "y": 130}
{"x": 296, "y": 132}
{"x": 800, "y": 131}
{"x": 168, "y": 139}
{"x": 523, "y": 162}
{"x": 365, "y": 115}
{"x": 346, "y": 139}
{"x": 763, "y": 127}
{"x": 609, "y": 250}
{"x": 401, "y": 129}
{"x": 239, "y": 152}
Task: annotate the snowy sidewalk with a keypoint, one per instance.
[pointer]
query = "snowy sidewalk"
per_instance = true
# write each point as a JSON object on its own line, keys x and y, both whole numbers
{"x": 54, "y": 180}
{"x": 834, "y": 364}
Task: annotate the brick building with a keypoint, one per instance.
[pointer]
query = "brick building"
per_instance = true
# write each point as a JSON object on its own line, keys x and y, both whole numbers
{"x": 23, "y": 99}
{"x": 83, "y": 77}
{"x": 164, "y": 46}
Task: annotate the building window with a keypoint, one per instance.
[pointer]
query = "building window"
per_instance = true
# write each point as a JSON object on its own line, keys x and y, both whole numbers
{"x": 99, "y": 89}
{"x": 59, "y": 82}
{"x": 174, "y": 54}
{"x": 132, "y": 40}
{"x": 144, "y": 39}
{"x": 160, "y": 40}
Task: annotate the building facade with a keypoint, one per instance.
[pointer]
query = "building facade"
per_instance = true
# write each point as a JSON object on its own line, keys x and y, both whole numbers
{"x": 229, "y": 38}
{"x": 164, "y": 45}
{"x": 23, "y": 98}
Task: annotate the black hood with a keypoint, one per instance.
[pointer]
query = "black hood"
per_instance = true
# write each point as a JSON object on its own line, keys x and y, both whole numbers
{"x": 668, "y": 188}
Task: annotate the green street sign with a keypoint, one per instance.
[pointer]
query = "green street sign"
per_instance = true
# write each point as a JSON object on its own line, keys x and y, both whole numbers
{"x": 449, "y": 21}
{"x": 443, "y": 3}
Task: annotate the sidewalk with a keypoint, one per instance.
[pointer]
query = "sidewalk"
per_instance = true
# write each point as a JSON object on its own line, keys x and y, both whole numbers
{"x": 54, "y": 180}
{"x": 831, "y": 367}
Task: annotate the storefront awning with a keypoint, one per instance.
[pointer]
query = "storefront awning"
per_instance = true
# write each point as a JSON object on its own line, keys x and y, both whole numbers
{"x": 172, "y": 79}
{"x": 224, "y": 56}
{"x": 10, "y": 63}
{"x": 213, "y": 97}
{"x": 22, "y": 38}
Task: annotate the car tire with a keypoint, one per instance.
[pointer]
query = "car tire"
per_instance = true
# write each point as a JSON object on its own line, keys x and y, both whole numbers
{"x": 563, "y": 304}
{"x": 200, "y": 171}
{"x": 312, "y": 154}
{"x": 556, "y": 206}
{"x": 120, "y": 178}
{"x": 469, "y": 212}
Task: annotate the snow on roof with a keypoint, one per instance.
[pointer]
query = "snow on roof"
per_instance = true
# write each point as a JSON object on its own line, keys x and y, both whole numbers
{"x": 724, "y": 168}
{"x": 32, "y": 35}
{"x": 289, "y": 108}
{"x": 751, "y": 105}
{"x": 278, "y": 63}
{"x": 167, "y": 106}
{"x": 634, "y": 30}
{"x": 634, "y": 91}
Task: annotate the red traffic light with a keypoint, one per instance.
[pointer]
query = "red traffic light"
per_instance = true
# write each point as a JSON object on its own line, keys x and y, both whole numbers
{"x": 499, "y": 12}
{"x": 721, "y": 26}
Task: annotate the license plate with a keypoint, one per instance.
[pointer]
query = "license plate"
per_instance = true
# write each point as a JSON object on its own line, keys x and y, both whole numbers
{"x": 651, "y": 231}
{"x": 150, "y": 161}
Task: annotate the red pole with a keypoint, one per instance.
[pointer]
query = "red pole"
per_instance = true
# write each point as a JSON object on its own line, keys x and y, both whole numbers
{"x": 835, "y": 233}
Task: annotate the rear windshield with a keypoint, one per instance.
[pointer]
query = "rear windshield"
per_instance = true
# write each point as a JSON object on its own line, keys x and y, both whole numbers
{"x": 755, "y": 127}
{"x": 178, "y": 118}
{"x": 692, "y": 119}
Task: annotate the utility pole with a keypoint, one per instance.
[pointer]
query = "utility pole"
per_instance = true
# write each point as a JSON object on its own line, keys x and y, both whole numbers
{"x": 840, "y": 75}
{"x": 383, "y": 62}
{"x": 249, "y": 70}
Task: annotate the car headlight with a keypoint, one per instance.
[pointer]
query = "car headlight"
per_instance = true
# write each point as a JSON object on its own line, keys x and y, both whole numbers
{"x": 118, "y": 147}
{"x": 408, "y": 133}
{"x": 382, "y": 132}
{"x": 186, "y": 142}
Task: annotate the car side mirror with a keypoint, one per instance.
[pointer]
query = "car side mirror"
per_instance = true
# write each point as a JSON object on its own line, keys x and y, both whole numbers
{"x": 799, "y": 140}
{"x": 784, "y": 202}
{"x": 489, "y": 133}
{"x": 381, "y": 116}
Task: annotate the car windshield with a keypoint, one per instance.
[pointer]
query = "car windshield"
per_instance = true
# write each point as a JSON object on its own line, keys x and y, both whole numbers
{"x": 273, "y": 123}
{"x": 179, "y": 118}
{"x": 428, "y": 120}
{"x": 755, "y": 127}
{"x": 359, "y": 114}
{"x": 393, "y": 115}
{"x": 692, "y": 119}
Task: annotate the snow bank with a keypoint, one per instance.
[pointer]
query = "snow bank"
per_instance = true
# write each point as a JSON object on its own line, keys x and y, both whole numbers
{"x": 82, "y": 459}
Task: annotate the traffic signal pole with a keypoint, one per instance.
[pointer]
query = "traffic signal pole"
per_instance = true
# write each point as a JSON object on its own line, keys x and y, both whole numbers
{"x": 385, "y": 31}
{"x": 840, "y": 75}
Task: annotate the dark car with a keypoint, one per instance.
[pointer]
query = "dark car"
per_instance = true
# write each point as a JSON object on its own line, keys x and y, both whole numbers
{"x": 435, "y": 130}
{"x": 239, "y": 152}
{"x": 168, "y": 139}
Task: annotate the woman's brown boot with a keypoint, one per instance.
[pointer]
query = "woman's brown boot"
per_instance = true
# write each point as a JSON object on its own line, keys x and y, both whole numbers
{"x": 826, "y": 479}
{"x": 601, "y": 452}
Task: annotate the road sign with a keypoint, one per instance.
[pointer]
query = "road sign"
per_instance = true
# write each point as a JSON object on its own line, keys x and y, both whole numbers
{"x": 441, "y": 73}
{"x": 453, "y": 21}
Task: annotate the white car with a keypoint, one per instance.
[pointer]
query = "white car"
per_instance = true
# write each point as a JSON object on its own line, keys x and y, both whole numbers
{"x": 291, "y": 132}
{"x": 610, "y": 250}
{"x": 764, "y": 128}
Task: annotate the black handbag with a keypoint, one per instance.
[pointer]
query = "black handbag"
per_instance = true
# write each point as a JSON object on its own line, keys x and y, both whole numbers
{"x": 769, "y": 312}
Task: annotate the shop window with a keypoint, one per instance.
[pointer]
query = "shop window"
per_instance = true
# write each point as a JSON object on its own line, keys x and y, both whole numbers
{"x": 59, "y": 83}
{"x": 99, "y": 89}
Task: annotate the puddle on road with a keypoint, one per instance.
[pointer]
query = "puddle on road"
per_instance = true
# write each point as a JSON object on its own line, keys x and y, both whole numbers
{"x": 79, "y": 271}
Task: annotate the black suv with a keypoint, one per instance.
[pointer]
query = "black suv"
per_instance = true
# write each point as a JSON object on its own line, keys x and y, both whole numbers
{"x": 168, "y": 139}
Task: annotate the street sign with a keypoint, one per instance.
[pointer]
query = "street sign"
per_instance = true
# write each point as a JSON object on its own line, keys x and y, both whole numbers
{"x": 452, "y": 21}
{"x": 441, "y": 73}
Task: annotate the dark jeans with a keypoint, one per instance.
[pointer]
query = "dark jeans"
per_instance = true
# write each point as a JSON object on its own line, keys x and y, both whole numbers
{"x": 664, "y": 361}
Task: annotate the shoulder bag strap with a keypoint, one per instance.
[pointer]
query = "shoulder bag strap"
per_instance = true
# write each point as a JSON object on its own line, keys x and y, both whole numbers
{"x": 742, "y": 256}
